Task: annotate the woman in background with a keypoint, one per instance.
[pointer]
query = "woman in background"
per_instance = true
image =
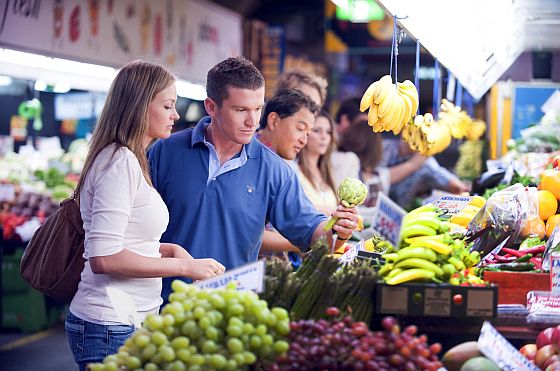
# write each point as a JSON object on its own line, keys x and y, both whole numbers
{"x": 315, "y": 164}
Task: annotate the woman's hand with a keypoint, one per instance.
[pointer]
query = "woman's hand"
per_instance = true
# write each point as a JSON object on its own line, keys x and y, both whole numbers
{"x": 347, "y": 221}
{"x": 201, "y": 269}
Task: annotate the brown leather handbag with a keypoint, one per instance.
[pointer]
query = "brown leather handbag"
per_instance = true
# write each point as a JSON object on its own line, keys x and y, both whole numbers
{"x": 53, "y": 260}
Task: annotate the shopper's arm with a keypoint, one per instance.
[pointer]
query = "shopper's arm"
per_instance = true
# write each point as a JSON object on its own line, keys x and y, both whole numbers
{"x": 128, "y": 264}
{"x": 347, "y": 221}
{"x": 274, "y": 242}
{"x": 172, "y": 250}
{"x": 403, "y": 170}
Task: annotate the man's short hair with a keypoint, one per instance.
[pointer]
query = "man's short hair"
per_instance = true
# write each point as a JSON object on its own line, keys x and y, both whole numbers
{"x": 293, "y": 78}
{"x": 286, "y": 103}
{"x": 237, "y": 72}
{"x": 349, "y": 107}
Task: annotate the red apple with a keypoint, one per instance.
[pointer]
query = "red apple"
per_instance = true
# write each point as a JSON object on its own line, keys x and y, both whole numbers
{"x": 543, "y": 354}
{"x": 555, "y": 338}
{"x": 545, "y": 337}
{"x": 529, "y": 351}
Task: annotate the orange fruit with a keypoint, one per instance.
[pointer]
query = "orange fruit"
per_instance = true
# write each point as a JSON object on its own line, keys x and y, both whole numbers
{"x": 547, "y": 204}
{"x": 533, "y": 227}
{"x": 550, "y": 181}
{"x": 551, "y": 223}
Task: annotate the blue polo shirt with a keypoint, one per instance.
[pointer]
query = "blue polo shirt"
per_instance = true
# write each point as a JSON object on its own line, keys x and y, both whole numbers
{"x": 220, "y": 210}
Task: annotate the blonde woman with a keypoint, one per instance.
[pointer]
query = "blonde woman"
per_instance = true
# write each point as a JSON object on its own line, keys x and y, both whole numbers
{"x": 315, "y": 164}
{"x": 124, "y": 216}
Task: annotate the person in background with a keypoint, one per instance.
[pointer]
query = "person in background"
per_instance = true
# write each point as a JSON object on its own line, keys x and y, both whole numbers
{"x": 222, "y": 185}
{"x": 430, "y": 175}
{"x": 314, "y": 161}
{"x": 124, "y": 216}
{"x": 315, "y": 87}
{"x": 285, "y": 125}
{"x": 345, "y": 163}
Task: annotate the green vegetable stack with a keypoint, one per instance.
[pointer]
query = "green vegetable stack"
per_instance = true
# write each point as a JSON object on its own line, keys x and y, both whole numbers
{"x": 352, "y": 192}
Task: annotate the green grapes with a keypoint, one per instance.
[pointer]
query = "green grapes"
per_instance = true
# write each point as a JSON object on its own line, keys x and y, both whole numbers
{"x": 220, "y": 329}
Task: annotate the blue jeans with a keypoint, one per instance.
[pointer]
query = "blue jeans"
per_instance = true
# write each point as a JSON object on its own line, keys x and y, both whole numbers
{"x": 90, "y": 342}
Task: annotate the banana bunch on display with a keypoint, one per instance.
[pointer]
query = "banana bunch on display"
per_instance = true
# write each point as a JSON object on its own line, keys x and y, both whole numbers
{"x": 458, "y": 121}
{"x": 476, "y": 130}
{"x": 426, "y": 135}
{"x": 464, "y": 217}
{"x": 390, "y": 106}
{"x": 427, "y": 252}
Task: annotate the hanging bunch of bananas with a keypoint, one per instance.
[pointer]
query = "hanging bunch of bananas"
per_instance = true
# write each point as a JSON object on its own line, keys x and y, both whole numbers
{"x": 458, "y": 121}
{"x": 426, "y": 135}
{"x": 390, "y": 106}
{"x": 476, "y": 130}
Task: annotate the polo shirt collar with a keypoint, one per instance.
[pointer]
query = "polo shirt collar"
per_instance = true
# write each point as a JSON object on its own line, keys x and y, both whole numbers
{"x": 252, "y": 148}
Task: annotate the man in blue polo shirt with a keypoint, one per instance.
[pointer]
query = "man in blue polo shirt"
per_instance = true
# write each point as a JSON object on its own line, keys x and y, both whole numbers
{"x": 221, "y": 185}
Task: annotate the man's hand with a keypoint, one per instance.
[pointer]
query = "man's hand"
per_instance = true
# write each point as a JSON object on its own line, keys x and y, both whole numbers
{"x": 347, "y": 221}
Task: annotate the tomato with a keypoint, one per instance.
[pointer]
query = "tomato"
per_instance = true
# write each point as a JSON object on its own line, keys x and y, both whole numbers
{"x": 458, "y": 299}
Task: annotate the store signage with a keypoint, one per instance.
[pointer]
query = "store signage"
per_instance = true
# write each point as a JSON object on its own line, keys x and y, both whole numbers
{"x": 495, "y": 347}
{"x": 451, "y": 205}
{"x": 190, "y": 36}
{"x": 555, "y": 273}
{"x": 543, "y": 303}
{"x": 388, "y": 219}
{"x": 352, "y": 253}
{"x": 247, "y": 277}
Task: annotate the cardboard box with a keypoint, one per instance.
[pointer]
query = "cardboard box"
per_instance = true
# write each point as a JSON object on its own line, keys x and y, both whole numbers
{"x": 436, "y": 300}
{"x": 514, "y": 286}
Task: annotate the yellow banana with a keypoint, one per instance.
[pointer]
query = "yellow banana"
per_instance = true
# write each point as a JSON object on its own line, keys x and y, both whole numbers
{"x": 470, "y": 209}
{"x": 477, "y": 201}
{"x": 411, "y": 275}
{"x": 460, "y": 219}
{"x": 407, "y": 107}
{"x": 438, "y": 246}
{"x": 417, "y": 230}
{"x": 415, "y": 252}
{"x": 420, "y": 263}
{"x": 387, "y": 102}
{"x": 408, "y": 88}
{"x": 397, "y": 116}
{"x": 372, "y": 115}
{"x": 382, "y": 89}
{"x": 367, "y": 98}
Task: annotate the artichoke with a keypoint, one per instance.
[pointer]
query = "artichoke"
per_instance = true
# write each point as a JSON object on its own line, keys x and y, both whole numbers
{"x": 352, "y": 192}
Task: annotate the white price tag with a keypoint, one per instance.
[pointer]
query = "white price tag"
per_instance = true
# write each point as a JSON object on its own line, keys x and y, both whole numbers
{"x": 7, "y": 192}
{"x": 388, "y": 219}
{"x": 495, "y": 347}
{"x": 451, "y": 205}
{"x": 352, "y": 253}
{"x": 247, "y": 277}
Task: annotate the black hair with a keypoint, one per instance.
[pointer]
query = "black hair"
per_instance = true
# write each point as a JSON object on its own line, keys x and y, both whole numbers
{"x": 286, "y": 103}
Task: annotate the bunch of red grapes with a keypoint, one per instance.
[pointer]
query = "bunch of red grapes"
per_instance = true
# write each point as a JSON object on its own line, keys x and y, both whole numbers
{"x": 342, "y": 344}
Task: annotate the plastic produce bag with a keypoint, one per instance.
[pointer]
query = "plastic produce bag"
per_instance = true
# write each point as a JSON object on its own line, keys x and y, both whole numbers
{"x": 500, "y": 220}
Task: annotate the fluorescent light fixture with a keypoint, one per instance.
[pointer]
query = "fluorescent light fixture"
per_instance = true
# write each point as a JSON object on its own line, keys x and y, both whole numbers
{"x": 40, "y": 85}
{"x": 5, "y": 80}
{"x": 61, "y": 87}
{"x": 189, "y": 90}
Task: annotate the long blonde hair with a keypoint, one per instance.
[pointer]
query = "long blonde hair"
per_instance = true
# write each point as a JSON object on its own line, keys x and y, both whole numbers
{"x": 325, "y": 167}
{"x": 124, "y": 118}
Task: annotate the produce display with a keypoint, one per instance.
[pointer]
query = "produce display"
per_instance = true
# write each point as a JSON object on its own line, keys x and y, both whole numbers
{"x": 467, "y": 357}
{"x": 429, "y": 253}
{"x": 344, "y": 344}
{"x": 426, "y": 135}
{"x": 321, "y": 282}
{"x": 204, "y": 329}
{"x": 391, "y": 106}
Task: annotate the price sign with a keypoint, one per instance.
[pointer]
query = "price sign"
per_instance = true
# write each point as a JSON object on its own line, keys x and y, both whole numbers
{"x": 495, "y": 347}
{"x": 388, "y": 219}
{"x": 247, "y": 277}
{"x": 451, "y": 205}
{"x": 352, "y": 252}
{"x": 555, "y": 273}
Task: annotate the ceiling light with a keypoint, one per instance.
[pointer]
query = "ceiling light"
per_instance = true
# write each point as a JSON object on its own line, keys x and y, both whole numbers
{"x": 5, "y": 80}
{"x": 40, "y": 85}
{"x": 61, "y": 87}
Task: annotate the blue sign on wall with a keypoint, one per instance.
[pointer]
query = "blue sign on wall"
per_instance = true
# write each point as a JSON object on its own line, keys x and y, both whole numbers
{"x": 527, "y": 106}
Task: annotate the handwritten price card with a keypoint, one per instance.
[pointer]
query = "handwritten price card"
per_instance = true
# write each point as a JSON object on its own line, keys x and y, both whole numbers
{"x": 248, "y": 277}
{"x": 451, "y": 205}
{"x": 388, "y": 219}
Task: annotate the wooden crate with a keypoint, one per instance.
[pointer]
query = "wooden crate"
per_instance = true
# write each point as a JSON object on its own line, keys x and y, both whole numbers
{"x": 514, "y": 286}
